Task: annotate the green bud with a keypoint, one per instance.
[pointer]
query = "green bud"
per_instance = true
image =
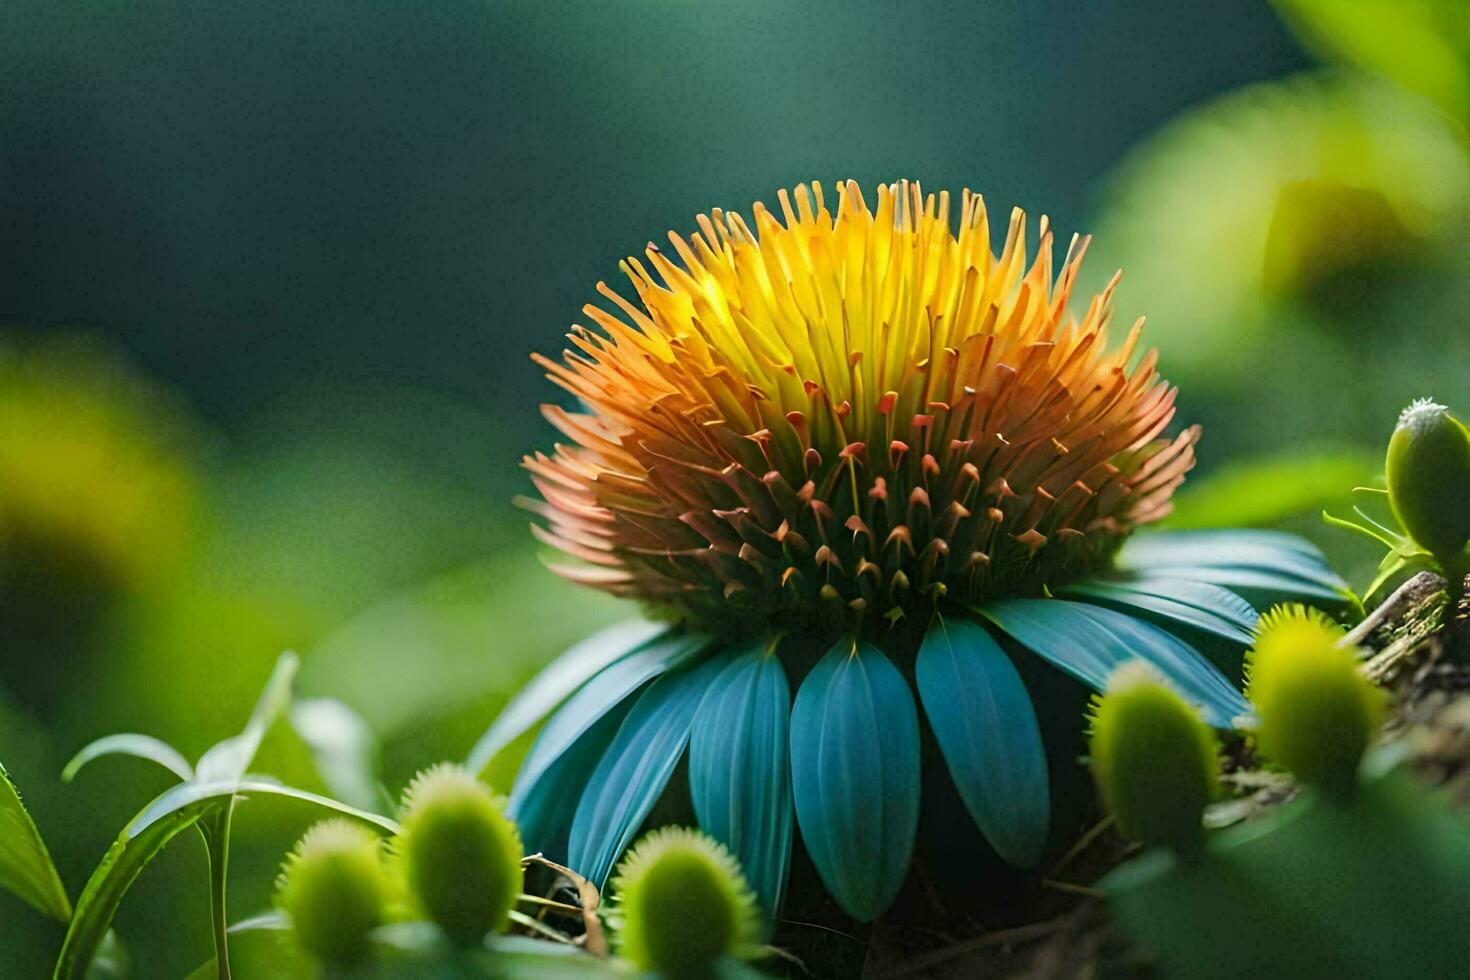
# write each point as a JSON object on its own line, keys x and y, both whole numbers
{"x": 1428, "y": 469}
{"x": 1318, "y": 713}
{"x": 335, "y": 890}
{"x": 461, "y": 853}
{"x": 1154, "y": 759}
{"x": 681, "y": 904}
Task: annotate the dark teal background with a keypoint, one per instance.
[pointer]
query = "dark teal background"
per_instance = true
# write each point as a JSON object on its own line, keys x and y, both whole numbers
{"x": 262, "y": 196}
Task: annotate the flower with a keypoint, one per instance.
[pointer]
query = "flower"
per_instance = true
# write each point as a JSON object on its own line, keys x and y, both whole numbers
{"x": 1427, "y": 472}
{"x": 858, "y": 453}
{"x": 335, "y": 890}
{"x": 461, "y": 856}
{"x": 681, "y": 904}
{"x": 1155, "y": 761}
{"x": 1318, "y": 713}
{"x": 855, "y": 410}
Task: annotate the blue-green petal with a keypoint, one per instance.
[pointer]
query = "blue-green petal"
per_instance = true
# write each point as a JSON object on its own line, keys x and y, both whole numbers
{"x": 543, "y": 810}
{"x": 985, "y": 724}
{"x": 1203, "y": 606}
{"x": 855, "y": 775}
{"x": 556, "y": 682}
{"x": 1090, "y": 642}
{"x": 635, "y": 769}
{"x": 740, "y": 769}
{"x": 605, "y": 691}
{"x": 1262, "y": 566}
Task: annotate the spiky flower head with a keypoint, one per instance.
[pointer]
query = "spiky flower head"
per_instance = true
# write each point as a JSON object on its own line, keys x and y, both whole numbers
{"x": 461, "y": 854}
{"x": 850, "y": 409}
{"x": 681, "y": 903}
{"x": 334, "y": 889}
{"x": 1154, "y": 759}
{"x": 1318, "y": 713}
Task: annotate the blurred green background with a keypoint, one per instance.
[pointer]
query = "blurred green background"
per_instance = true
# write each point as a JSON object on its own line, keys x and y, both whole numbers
{"x": 272, "y": 271}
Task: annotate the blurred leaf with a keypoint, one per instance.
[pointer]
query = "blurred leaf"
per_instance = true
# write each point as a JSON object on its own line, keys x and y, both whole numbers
{"x": 1423, "y": 45}
{"x": 1372, "y": 888}
{"x": 416, "y": 949}
{"x": 25, "y": 864}
{"x": 175, "y": 811}
{"x": 343, "y": 747}
{"x": 464, "y": 642}
{"x": 137, "y": 746}
{"x": 112, "y": 961}
{"x": 1266, "y": 490}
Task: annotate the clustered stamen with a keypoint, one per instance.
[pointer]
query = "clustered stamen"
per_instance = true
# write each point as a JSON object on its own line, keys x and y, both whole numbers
{"x": 860, "y": 414}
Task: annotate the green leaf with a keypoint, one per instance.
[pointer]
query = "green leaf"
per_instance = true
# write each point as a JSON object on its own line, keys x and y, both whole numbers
{"x": 230, "y": 758}
{"x": 343, "y": 747}
{"x": 557, "y": 682}
{"x": 1372, "y": 887}
{"x": 1268, "y": 490}
{"x": 987, "y": 731}
{"x": 25, "y": 864}
{"x": 175, "y": 811}
{"x": 855, "y": 775}
{"x": 138, "y": 746}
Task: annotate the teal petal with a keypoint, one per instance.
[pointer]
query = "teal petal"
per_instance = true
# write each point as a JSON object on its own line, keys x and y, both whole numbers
{"x": 1264, "y": 567}
{"x": 986, "y": 728}
{"x": 855, "y": 775}
{"x": 1203, "y": 606}
{"x": 605, "y": 691}
{"x": 557, "y": 681}
{"x": 544, "y": 809}
{"x": 1090, "y": 642}
{"x": 740, "y": 769}
{"x": 635, "y": 769}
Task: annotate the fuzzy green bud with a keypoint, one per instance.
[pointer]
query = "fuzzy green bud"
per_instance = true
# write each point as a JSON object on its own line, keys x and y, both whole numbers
{"x": 1154, "y": 759}
{"x": 335, "y": 890}
{"x": 1318, "y": 713}
{"x": 1428, "y": 470}
{"x": 682, "y": 904}
{"x": 461, "y": 853}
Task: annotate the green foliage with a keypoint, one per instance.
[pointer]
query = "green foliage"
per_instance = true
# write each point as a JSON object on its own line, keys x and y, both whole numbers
{"x": 343, "y": 747}
{"x": 1318, "y": 713}
{"x": 206, "y": 801}
{"x": 1154, "y": 759}
{"x": 682, "y": 904}
{"x": 335, "y": 890}
{"x": 461, "y": 853}
{"x": 1266, "y": 490}
{"x": 25, "y": 864}
{"x": 1375, "y": 887}
{"x": 1423, "y": 45}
